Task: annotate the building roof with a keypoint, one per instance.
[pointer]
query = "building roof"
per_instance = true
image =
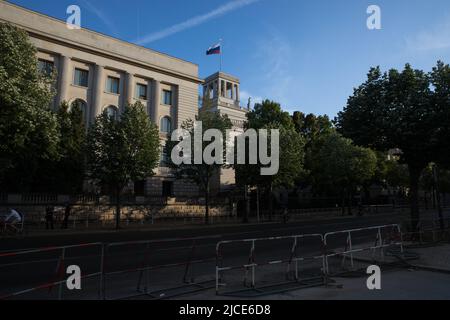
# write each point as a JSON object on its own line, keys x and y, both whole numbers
{"x": 222, "y": 75}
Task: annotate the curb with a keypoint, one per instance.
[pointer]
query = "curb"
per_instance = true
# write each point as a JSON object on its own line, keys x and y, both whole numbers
{"x": 431, "y": 268}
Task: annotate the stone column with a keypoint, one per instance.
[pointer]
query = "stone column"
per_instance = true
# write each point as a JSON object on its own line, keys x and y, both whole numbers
{"x": 218, "y": 89}
{"x": 65, "y": 76}
{"x": 215, "y": 90}
{"x": 175, "y": 109}
{"x": 156, "y": 102}
{"x": 149, "y": 98}
{"x": 129, "y": 89}
{"x": 99, "y": 85}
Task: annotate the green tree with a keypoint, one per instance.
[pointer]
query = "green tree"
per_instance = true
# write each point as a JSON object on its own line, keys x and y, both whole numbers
{"x": 71, "y": 166}
{"x": 397, "y": 174}
{"x": 122, "y": 150}
{"x": 202, "y": 173}
{"x": 28, "y": 128}
{"x": 314, "y": 129}
{"x": 269, "y": 115}
{"x": 341, "y": 166}
{"x": 394, "y": 110}
{"x": 66, "y": 174}
{"x": 440, "y": 81}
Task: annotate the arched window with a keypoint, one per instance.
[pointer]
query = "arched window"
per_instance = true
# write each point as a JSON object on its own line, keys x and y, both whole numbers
{"x": 81, "y": 105}
{"x": 166, "y": 125}
{"x": 112, "y": 112}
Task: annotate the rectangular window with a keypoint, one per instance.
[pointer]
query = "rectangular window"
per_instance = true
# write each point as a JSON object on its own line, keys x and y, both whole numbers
{"x": 167, "y": 97}
{"x": 141, "y": 91}
{"x": 81, "y": 78}
{"x": 112, "y": 85}
{"x": 45, "y": 67}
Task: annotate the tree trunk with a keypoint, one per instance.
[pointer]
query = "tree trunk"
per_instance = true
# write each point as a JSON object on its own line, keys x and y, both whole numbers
{"x": 349, "y": 203}
{"x": 257, "y": 204}
{"x": 118, "y": 191}
{"x": 367, "y": 197}
{"x": 247, "y": 204}
{"x": 207, "y": 202}
{"x": 343, "y": 202}
{"x": 438, "y": 196}
{"x": 270, "y": 202}
{"x": 414, "y": 173}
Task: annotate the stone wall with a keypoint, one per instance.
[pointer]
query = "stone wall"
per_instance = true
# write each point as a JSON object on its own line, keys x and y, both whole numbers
{"x": 35, "y": 214}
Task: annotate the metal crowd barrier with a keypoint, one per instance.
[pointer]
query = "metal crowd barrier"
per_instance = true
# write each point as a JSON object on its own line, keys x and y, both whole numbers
{"x": 127, "y": 258}
{"x": 45, "y": 256}
{"x": 292, "y": 261}
{"x": 428, "y": 230}
{"x": 385, "y": 237}
{"x": 142, "y": 267}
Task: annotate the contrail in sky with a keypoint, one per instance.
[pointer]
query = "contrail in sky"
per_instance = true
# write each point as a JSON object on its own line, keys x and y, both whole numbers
{"x": 195, "y": 21}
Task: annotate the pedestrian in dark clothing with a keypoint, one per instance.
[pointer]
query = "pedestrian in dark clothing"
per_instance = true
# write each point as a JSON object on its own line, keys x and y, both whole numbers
{"x": 67, "y": 212}
{"x": 49, "y": 212}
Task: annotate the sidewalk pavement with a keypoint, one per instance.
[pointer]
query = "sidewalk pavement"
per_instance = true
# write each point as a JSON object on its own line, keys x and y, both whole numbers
{"x": 432, "y": 282}
{"x": 435, "y": 258}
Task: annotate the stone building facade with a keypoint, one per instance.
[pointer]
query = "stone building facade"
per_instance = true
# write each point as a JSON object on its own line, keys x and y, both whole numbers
{"x": 98, "y": 72}
{"x": 223, "y": 92}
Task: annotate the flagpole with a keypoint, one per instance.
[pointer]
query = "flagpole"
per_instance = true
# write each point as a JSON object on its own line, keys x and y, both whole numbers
{"x": 221, "y": 53}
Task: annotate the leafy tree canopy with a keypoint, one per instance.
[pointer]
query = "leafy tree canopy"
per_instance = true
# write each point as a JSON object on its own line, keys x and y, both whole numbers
{"x": 408, "y": 110}
{"x": 124, "y": 149}
{"x": 28, "y": 128}
{"x": 340, "y": 165}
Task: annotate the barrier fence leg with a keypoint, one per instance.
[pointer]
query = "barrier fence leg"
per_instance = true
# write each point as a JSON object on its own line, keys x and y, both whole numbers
{"x": 102, "y": 272}
{"x": 381, "y": 244}
{"x": 325, "y": 271}
{"x": 253, "y": 264}
{"x": 188, "y": 264}
{"x": 373, "y": 250}
{"x": 250, "y": 265}
{"x": 351, "y": 250}
{"x": 344, "y": 256}
{"x": 143, "y": 272}
{"x": 61, "y": 267}
{"x": 105, "y": 274}
{"x": 217, "y": 269}
{"x": 147, "y": 272}
{"x": 291, "y": 258}
{"x": 217, "y": 280}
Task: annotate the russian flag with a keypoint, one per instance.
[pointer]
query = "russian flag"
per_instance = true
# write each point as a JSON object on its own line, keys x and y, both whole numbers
{"x": 214, "y": 50}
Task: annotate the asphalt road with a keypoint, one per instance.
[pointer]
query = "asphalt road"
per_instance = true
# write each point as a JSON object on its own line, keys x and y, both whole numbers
{"x": 168, "y": 247}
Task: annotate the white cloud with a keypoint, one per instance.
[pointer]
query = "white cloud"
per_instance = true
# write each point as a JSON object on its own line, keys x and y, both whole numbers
{"x": 275, "y": 59}
{"x": 195, "y": 21}
{"x": 436, "y": 38}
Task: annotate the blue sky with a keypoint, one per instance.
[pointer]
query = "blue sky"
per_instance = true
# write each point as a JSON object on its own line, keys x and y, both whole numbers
{"x": 307, "y": 55}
